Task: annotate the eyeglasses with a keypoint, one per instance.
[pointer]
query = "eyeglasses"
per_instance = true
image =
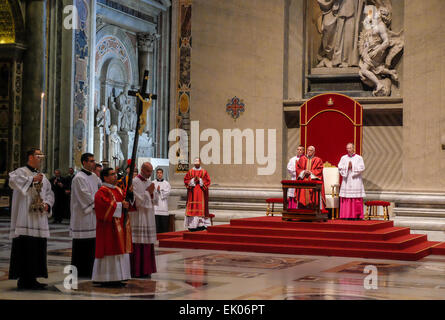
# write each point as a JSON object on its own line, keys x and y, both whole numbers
{"x": 40, "y": 156}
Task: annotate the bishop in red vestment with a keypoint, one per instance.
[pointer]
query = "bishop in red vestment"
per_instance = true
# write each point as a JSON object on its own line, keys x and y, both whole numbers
{"x": 113, "y": 239}
{"x": 310, "y": 168}
{"x": 197, "y": 182}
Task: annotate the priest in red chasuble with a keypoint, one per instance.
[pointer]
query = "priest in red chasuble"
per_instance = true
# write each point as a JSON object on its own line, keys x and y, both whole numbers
{"x": 197, "y": 182}
{"x": 113, "y": 239}
{"x": 309, "y": 168}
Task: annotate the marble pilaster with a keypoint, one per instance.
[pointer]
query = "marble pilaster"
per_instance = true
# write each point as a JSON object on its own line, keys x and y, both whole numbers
{"x": 34, "y": 79}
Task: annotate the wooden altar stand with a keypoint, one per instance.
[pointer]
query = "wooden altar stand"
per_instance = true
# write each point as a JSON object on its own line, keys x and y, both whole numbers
{"x": 309, "y": 214}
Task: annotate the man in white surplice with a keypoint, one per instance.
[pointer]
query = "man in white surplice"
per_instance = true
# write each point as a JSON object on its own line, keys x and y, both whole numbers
{"x": 29, "y": 228}
{"x": 143, "y": 224}
{"x": 83, "y": 218}
{"x": 292, "y": 169}
{"x": 163, "y": 188}
{"x": 352, "y": 191}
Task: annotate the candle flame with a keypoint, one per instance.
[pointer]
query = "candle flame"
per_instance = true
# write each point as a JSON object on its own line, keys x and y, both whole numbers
{"x": 43, "y": 94}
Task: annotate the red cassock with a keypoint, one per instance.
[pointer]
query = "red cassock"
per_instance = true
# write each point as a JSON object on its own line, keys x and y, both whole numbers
{"x": 305, "y": 196}
{"x": 111, "y": 236}
{"x": 197, "y": 196}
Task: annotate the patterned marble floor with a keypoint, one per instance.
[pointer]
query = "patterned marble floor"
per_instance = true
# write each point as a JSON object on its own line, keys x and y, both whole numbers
{"x": 220, "y": 275}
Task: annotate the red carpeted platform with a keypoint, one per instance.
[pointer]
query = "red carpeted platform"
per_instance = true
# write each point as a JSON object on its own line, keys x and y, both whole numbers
{"x": 362, "y": 239}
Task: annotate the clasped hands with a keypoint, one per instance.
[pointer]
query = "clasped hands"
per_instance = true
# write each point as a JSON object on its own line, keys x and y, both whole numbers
{"x": 150, "y": 188}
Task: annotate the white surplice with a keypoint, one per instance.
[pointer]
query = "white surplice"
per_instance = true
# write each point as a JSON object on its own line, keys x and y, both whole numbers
{"x": 143, "y": 222}
{"x": 292, "y": 170}
{"x": 352, "y": 183}
{"x": 23, "y": 221}
{"x": 161, "y": 209}
{"x": 83, "y": 217}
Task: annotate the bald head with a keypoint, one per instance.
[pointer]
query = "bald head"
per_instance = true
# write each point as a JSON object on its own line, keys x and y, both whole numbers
{"x": 350, "y": 148}
{"x": 310, "y": 151}
{"x": 146, "y": 170}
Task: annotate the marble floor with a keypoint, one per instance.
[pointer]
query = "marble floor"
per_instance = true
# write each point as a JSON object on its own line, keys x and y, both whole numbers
{"x": 221, "y": 275}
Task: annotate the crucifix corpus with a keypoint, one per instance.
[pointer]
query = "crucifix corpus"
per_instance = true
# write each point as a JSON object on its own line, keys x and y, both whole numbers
{"x": 142, "y": 108}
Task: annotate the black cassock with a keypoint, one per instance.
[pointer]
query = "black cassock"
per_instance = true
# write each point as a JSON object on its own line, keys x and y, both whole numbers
{"x": 58, "y": 187}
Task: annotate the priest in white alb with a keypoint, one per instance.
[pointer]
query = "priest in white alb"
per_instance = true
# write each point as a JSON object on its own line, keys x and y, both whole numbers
{"x": 143, "y": 224}
{"x": 352, "y": 191}
{"x": 162, "y": 188}
{"x": 292, "y": 170}
{"x": 31, "y": 206}
{"x": 83, "y": 217}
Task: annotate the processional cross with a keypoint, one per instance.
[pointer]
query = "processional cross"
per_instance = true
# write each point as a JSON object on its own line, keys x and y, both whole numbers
{"x": 142, "y": 107}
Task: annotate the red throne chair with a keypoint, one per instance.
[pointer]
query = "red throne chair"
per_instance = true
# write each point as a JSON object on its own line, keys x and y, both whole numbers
{"x": 329, "y": 122}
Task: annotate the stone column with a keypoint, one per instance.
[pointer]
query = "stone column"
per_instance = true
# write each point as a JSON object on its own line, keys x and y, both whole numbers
{"x": 146, "y": 43}
{"x": 34, "y": 79}
{"x": 146, "y": 46}
{"x": 83, "y": 86}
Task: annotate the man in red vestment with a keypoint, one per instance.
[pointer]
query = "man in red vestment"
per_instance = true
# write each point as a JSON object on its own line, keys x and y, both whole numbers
{"x": 197, "y": 182}
{"x": 309, "y": 168}
{"x": 113, "y": 239}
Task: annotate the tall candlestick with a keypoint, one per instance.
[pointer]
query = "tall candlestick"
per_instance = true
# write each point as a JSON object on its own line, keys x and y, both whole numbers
{"x": 42, "y": 114}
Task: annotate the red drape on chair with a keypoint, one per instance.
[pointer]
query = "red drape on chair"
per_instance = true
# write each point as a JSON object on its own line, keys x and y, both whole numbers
{"x": 328, "y": 122}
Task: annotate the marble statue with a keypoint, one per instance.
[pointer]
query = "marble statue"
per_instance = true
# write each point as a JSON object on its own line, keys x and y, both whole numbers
{"x": 115, "y": 154}
{"x": 340, "y": 29}
{"x": 103, "y": 119}
{"x": 122, "y": 98}
{"x": 116, "y": 113}
{"x": 378, "y": 46}
{"x": 327, "y": 30}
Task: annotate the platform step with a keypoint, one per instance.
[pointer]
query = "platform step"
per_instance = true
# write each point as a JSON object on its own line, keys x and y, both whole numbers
{"x": 337, "y": 225}
{"x": 412, "y": 253}
{"x": 380, "y": 234}
{"x": 398, "y": 243}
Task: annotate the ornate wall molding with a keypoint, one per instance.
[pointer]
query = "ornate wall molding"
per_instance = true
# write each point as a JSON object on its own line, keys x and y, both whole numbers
{"x": 183, "y": 79}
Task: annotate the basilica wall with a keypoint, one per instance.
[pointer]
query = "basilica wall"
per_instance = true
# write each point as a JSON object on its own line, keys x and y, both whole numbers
{"x": 237, "y": 51}
{"x": 423, "y": 107}
{"x": 265, "y": 53}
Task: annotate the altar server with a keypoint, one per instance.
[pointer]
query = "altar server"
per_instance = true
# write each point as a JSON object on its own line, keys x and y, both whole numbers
{"x": 292, "y": 170}
{"x": 352, "y": 191}
{"x": 32, "y": 200}
{"x": 162, "y": 188}
{"x": 83, "y": 217}
{"x": 143, "y": 224}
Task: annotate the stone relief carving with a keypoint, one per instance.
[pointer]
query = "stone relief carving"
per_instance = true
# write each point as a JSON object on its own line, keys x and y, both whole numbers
{"x": 146, "y": 41}
{"x": 339, "y": 28}
{"x": 129, "y": 118}
{"x": 115, "y": 154}
{"x": 357, "y": 33}
{"x": 103, "y": 118}
{"x": 116, "y": 113}
{"x": 378, "y": 47}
